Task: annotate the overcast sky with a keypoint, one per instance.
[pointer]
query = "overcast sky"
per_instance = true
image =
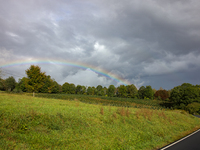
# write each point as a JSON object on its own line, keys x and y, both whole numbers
{"x": 145, "y": 42}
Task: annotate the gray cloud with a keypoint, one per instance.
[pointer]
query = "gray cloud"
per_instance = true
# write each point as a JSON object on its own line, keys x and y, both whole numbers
{"x": 146, "y": 43}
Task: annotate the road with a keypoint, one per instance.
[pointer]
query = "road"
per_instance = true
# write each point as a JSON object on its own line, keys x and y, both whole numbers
{"x": 190, "y": 142}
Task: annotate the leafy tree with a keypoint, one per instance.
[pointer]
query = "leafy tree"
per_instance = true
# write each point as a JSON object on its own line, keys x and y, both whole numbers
{"x": 69, "y": 88}
{"x": 56, "y": 88}
{"x": 36, "y": 78}
{"x": 22, "y": 84}
{"x": 169, "y": 92}
{"x": 148, "y": 92}
{"x": 99, "y": 90}
{"x": 105, "y": 90}
{"x": 193, "y": 108}
{"x": 111, "y": 91}
{"x": 90, "y": 91}
{"x": 122, "y": 91}
{"x": 94, "y": 89}
{"x": 2, "y": 85}
{"x": 80, "y": 89}
{"x": 154, "y": 90}
{"x": 2, "y": 81}
{"x": 59, "y": 87}
{"x": 83, "y": 90}
{"x": 99, "y": 87}
{"x": 176, "y": 95}
{"x": 10, "y": 83}
{"x": 161, "y": 94}
{"x": 66, "y": 88}
{"x": 132, "y": 91}
{"x": 141, "y": 92}
{"x": 185, "y": 94}
{"x": 48, "y": 85}
{"x": 72, "y": 88}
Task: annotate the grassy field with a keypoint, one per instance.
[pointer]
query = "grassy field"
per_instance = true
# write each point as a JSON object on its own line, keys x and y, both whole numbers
{"x": 39, "y": 123}
{"x": 111, "y": 101}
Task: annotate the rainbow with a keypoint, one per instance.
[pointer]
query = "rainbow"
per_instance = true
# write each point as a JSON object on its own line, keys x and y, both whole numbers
{"x": 67, "y": 63}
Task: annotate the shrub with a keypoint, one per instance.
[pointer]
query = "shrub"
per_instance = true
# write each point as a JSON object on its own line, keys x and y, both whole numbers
{"x": 193, "y": 108}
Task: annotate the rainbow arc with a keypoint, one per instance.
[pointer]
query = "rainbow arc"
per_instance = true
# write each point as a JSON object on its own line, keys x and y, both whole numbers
{"x": 67, "y": 63}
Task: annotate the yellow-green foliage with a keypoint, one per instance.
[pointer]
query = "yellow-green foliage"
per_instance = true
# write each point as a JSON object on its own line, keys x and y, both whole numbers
{"x": 39, "y": 123}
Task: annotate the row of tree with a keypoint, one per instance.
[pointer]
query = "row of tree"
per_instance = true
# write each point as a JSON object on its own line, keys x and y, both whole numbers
{"x": 37, "y": 81}
{"x": 185, "y": 96}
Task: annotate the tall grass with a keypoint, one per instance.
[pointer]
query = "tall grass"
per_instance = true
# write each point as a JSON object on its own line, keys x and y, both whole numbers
{"x": 39, "y": 123}
{"x": 112, "y": 101}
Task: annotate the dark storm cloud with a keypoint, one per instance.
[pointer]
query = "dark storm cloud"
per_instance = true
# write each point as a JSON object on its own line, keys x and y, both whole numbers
{"x": 141, "y": 41}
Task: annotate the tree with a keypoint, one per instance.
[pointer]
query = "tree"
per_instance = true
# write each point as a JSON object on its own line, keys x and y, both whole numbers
{"x": 161, "y": 94}
{"x": 122, "y": 91}
{"x": 81, "y": 89}
{"x": 90, "y": 91}
{"x": 22, "y": 84}
{"x": 56, "y": 88}
{"x": 10, "y": 83}
{"x": 154, "y": 90}
{"x": 148, "y": 92}
{"x": 99, "y": 90}
{"x": 36, "y": 78}
{"x": 72, "y": 88}
{"x": 48, "y": 85}
{"x": 66, "y": 88}
{"x": 105, "y": 90}
{"x": 111, "y": 90}
{"x": 141, "y": 92}
{"x": 185, "y": 94}
{"x": 132, "y": 91}
{"x": 2, "y": 85}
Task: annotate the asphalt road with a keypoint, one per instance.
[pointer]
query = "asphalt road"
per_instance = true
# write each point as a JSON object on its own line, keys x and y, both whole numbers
{"x": 191, "y": 142}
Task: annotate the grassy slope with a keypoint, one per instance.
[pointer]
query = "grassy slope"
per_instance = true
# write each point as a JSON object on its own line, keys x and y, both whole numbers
{"x": 113, "y": 101}
{"x": 39, "y": 123}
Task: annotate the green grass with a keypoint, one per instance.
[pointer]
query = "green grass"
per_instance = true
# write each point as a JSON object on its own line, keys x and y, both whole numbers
{"x": 39, "y": 123}
{"x": 112, "y": 101}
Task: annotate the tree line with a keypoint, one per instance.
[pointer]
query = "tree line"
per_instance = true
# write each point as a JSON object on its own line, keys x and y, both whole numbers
{"x": 185, "y": 96}
{"x": 37, "y": 81}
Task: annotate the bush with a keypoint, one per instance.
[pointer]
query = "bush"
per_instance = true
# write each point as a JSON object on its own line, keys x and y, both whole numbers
{"x": 17, "y": 90}
{"x": 193, "y": 108}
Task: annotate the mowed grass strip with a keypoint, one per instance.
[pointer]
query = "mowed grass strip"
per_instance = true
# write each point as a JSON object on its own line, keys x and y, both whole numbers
{"x": 39, "y": 123}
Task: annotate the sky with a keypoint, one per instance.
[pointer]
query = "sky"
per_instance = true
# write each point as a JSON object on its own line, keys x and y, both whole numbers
{"x": 140, "y": 42}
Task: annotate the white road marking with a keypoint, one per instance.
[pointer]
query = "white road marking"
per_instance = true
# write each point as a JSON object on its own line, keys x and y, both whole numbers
{"x": 179, "y": 140}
